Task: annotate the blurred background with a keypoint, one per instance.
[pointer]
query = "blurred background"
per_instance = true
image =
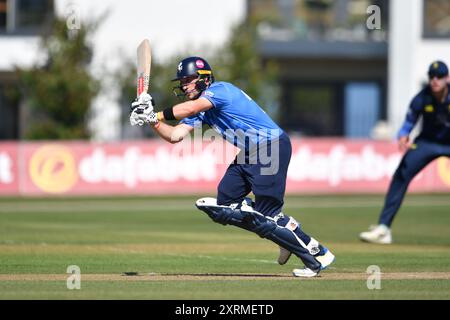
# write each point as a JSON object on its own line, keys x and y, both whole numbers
{"x": 344, "y": 69}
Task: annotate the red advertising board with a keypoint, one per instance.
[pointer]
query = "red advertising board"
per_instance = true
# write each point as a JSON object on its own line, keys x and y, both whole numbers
{"x": 356, "y": 166}
{"x": 145, "y": 167}
{"x": 157, "y": 167}
{"x": 9, "y": 172}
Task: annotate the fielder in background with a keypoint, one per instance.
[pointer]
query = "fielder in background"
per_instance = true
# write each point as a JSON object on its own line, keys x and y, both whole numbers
{"x": 239, "y": 120}
{"x": 432, "y": 104}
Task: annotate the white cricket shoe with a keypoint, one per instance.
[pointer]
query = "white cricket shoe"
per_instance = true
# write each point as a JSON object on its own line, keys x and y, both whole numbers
{"x": 284, "y": 256}
{"x": 305, "y": 273}
{"x": 377, "y": 234}
{"x": 325, "y": 260}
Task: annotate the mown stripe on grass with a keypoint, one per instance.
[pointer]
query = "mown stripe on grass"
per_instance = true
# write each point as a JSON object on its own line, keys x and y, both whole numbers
{"x": 149, "y": 205}
{"x": 224, "y": 277}
{"x": 202, "y": 248}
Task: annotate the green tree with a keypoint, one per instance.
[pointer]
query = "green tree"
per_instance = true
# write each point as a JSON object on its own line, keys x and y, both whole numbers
{"x": 60, "y": 91}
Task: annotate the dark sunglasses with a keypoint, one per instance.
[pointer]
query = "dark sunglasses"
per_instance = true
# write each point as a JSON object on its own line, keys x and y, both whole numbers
{"x": 439, "y": 76}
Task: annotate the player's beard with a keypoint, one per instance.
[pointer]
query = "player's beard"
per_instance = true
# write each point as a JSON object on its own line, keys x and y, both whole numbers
{"x": 192, "y": 94}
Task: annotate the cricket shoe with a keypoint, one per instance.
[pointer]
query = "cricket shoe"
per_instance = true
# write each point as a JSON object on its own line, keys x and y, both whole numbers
{"x": 325, "y": 257}
{"x": 380, "y": 234}
{"x": 305, "y": 273}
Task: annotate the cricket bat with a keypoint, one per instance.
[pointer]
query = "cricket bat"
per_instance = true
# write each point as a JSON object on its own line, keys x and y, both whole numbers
{"x": 144, "y": 63}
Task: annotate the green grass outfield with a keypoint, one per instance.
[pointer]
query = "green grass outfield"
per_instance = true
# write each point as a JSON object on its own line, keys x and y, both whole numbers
{"x": 180, "y": 253}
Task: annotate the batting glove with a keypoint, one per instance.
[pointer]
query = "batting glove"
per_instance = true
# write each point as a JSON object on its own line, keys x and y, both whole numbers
{"x": 142, "y": 115}
{"x": 142, "y": 111}
{"x": 144, "y": 100}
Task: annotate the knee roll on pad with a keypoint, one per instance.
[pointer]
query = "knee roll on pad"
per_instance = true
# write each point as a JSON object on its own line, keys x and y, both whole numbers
{"x": 286, "y": 222}
{"x": 223, "y": 214}
{"x": 261, "y": 225}
{"x": 239, "y": 214}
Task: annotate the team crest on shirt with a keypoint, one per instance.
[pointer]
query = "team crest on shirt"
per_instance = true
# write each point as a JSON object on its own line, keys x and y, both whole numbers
{"x": 429, "y": 108}
{"x": 209, "y": 93}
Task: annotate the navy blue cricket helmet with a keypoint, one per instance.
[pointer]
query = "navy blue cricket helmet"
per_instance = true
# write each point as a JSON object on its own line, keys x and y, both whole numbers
{"x": 191, "y": 67}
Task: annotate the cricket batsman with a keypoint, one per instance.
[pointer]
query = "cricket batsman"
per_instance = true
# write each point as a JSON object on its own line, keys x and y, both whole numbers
{"x": 432, "y": 104}
{"x": 231, "y": 112}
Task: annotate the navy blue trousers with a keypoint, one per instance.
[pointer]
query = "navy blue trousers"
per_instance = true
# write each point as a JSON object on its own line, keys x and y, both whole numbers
{"x": 411, "y": 164}
{"x": 266, "y": 180}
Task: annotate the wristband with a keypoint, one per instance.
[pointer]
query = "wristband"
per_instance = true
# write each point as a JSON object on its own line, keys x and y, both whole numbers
{"x": 159, "y": 116}
{"x": 168, "y": 114}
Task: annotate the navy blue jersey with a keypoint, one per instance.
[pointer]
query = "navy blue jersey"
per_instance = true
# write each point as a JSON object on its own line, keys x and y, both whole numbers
{"x": 435, "y": 115}
{"x": 234, "y": 113}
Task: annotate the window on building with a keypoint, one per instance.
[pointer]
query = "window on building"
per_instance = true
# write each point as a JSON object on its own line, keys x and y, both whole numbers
{"x": 3, "y": 9}
{"x": 327, "y": 20}
{"x": 32, "y": 13}
{"x": 362, "y": 108}
{"x": 436, "y": 18}
{"x": 24, "y": 16}
{"x": 339, "y": 109}
{"x": 313, "y": 109}
{"x": 10, "y": 115}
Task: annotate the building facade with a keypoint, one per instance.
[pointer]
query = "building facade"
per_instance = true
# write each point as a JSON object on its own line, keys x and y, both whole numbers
{"x": 21, "y": 23}
{"x": 346, "y": 66}
{"x": 350, "y": 67}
